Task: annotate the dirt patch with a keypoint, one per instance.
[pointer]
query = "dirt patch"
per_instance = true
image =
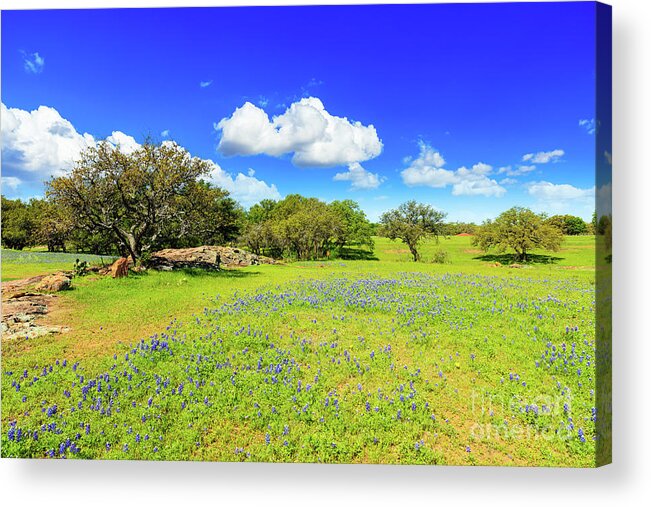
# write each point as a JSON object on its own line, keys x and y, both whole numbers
{"x": 398, "y": 251}
{"x": 473, "y": 251}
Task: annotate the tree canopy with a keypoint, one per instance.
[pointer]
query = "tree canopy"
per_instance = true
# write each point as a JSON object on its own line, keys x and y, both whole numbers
{"x": 569, "y": 225}
{"x": 306, "y": 227}
{"x": 518, "y": 229}
{"x": 140, "y": 197}
{"x": 411, "y": 222}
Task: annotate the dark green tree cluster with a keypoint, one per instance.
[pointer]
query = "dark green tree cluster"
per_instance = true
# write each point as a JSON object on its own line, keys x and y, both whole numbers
{"x": 569, "y": 225}
{"x": 306, "y": 228}
{"x": 37, "y": 222}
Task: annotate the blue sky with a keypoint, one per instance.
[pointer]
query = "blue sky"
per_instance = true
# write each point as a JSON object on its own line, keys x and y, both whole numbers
{"x": 470, "y": 108}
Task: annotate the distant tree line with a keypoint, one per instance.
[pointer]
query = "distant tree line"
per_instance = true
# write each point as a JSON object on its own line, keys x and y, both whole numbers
{"x": 159, "y": 197}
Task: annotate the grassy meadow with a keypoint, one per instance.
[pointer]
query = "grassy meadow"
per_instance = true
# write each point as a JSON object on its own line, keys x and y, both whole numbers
{"x": 380, "y": 360}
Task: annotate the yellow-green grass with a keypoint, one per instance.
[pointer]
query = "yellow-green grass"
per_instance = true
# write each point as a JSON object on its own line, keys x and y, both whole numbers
{"x": 472, "y": 347}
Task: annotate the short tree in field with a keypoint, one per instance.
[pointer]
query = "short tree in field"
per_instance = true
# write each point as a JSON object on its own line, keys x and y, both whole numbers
{"x": 518, "y": 229}
{"x": 411, "y": 222}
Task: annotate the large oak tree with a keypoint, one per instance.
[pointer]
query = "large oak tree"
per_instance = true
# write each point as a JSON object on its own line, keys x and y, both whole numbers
{"x": 135, "y": 197}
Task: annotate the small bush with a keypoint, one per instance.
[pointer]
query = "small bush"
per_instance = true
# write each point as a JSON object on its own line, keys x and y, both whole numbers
{"x": 441, "y": 257}
{"x": 80, "y": 268}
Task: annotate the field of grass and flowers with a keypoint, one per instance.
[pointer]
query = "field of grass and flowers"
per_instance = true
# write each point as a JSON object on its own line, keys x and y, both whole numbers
{"x": 374, "y": 361}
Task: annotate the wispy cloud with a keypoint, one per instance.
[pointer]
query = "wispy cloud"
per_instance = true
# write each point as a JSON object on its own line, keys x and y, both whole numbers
{"x": 205, "y": 84}
{"x": 11, "y": 182}
{"x": 516, "y": 171}
{"x": 543, "y": 157}
{"x": 165, "y": 133}
{"x": 33, "y": 63}
{"x": 591, "y": 126}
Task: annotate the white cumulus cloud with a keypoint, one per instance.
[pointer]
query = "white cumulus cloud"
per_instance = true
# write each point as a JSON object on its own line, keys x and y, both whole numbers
{"x": 543, "y": 157}
{"x": 550, "y": 191}
{"x": 244, "y": 188}
{"x": 40, "y": 141}
{"x": 474, "y": 181}
{"x": 427, "y": 170}
{"x": 360, "y": 178}
{"x": 562, "y": 197}
{"x": 314, "y": 136}
{"x": 123, "y": 142}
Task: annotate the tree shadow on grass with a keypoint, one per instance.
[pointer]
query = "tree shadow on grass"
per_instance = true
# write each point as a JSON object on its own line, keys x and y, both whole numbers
{"x": 221, "y": 273}
{"x": 356, "y": 254}
{"x": 510, "y": 259}
{"x": 199, "y": 272}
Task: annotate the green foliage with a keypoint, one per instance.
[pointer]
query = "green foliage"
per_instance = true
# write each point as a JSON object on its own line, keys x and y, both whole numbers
{"x": 80, "y": 268}
{"x": 17, "y": 224}
{"x": 568, "y": 224}
{"x": 206, "y": 216}
{"x": 411, "y": 222}
{"x": 603, "y": 224}
{"x": 356, "y": 230}
{"x": 520, "y": 230}
{"x": 441, "y": 257}
{"x": 132, "y": 197}
{"x": 454, "y": 228}
{"x": 606, "y": 224}
{"x": 305, "y": 228}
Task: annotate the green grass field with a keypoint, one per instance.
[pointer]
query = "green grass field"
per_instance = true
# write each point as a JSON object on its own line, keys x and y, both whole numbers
{"x": 373, "y": 361}
{"x": 27, "y": 263}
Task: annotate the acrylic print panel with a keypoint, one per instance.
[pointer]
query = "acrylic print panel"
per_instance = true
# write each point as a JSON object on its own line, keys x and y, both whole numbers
{"x": 337, "y": 234}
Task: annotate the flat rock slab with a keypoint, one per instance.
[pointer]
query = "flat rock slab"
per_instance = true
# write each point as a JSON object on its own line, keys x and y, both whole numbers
{"x": 20, "y": 314}
{"x": 206, "y": 257}
{"x": 16, "y": 285}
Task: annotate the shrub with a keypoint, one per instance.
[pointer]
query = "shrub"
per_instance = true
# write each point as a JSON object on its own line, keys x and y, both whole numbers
{"x": 441, "y": 257}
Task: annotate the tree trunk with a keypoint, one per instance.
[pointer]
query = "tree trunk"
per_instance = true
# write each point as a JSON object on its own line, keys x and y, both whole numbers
{"x": 131, "y": 243}
{"x": 414, "y": 252}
